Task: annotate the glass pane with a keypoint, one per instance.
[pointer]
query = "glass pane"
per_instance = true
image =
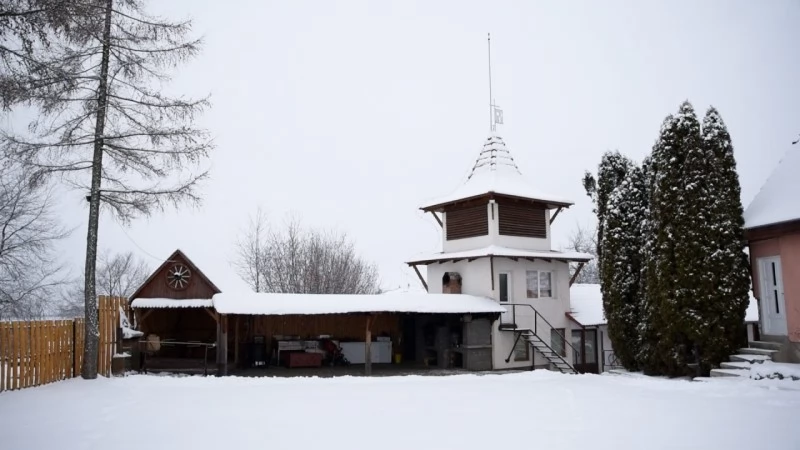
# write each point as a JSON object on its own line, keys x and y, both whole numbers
{"x": 503, "y": 287}
{"x": 521, "y": 350}
{"x": 532, "y": 283}
{"x": 591, "y": 346}
{"x": 576, "y": 344}
{"x": 544, "y": 285}
{"x": 557, "y": 341}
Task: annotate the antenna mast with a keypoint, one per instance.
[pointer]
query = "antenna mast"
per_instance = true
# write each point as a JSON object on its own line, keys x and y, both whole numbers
{"x": 491, "y": 114}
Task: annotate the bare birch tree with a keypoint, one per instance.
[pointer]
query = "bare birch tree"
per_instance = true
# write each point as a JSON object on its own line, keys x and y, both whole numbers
{"x": 29, "y": 270}
{"x": 584, "y": 240}
{"x": 295, "y": 259}
{"x": 106, "y": 120}
{"x": 118, "y": 275}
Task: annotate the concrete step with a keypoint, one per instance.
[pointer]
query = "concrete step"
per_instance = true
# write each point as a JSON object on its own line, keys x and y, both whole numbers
{"x": 765, "y": 345}
{"x": 736, "y": 365}
{"x": 750, "y": 358}
{"x": 756, "y": 351}
{"x": 730, "y": 373}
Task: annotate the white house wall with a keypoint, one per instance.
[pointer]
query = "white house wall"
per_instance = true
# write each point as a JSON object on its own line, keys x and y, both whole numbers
{"x": 476, "y": 280}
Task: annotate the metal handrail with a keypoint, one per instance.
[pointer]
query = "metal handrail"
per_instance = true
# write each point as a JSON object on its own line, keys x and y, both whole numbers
{"x": 535, "y": 322}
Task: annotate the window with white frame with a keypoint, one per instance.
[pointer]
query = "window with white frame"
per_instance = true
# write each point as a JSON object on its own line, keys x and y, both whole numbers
{"x": 539, "y": 284}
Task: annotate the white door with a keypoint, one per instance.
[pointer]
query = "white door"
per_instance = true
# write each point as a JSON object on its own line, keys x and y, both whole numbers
{"x": 773, "y": 306}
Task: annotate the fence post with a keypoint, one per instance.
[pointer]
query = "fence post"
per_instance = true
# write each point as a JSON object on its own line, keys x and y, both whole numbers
{"x": 74, "y": 354}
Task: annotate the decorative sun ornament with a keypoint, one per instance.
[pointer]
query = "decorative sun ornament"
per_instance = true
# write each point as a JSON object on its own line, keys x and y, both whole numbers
{"x": 178, "y": 276}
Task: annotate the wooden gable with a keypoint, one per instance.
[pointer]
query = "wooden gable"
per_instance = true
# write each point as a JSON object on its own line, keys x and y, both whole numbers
{"x": 195, "y": 286}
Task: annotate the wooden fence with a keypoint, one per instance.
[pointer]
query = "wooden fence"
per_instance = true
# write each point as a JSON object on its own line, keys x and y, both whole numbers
{"x": 43, "y": 351}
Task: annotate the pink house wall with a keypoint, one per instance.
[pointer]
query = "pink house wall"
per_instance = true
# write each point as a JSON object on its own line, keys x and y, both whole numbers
{"x": 788, "y": 248}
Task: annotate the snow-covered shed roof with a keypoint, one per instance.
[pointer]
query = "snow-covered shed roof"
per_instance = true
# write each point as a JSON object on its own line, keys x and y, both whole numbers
{"x": 307, "y": 304}
{"x": 778, "y": 199}
{"x": 586, "y": 305}
{"x": 496, "y": 250}
{"x": 495, "y": 172}
{"x": 171, "y": 303}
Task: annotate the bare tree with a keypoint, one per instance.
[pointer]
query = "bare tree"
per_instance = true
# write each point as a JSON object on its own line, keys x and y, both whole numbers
{"x": 584, "y": 240}
{"x": 29, "y": 270}
{"x": 300, "y": 260}
{"x": 118, "y": 275}
{"x": 106, "y": 118}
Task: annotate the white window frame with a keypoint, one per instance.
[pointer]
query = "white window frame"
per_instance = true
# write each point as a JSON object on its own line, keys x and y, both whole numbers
{"x": 539, "y": 284}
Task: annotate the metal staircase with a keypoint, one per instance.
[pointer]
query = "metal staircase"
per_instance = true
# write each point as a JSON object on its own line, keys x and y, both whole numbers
{"x": 533, "y": 339}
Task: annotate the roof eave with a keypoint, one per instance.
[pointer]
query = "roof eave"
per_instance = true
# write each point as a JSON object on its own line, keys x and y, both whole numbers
{"x": 551, "y": 204}
{"x": 470, "y": 258}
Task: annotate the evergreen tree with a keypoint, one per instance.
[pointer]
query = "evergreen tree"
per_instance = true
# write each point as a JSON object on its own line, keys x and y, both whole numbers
{"x": 725, "y": 262}
{"x": 613, "y": 168}
{"x": 622, "y": 265}
{"x": 674, "y": 276}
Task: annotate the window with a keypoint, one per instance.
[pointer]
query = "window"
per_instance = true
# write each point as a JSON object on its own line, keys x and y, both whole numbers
{"x": 521, "y": 350}
{"x": 589, "y": 347}
{"x": 539, "y": 284}
{"x": 505, "y": 283}
{"x": 557, "y": 341}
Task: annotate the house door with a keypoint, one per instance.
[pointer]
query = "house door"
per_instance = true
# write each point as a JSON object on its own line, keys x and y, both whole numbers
{"x": 504, "y": 285}
{"x": 773, "y": 305}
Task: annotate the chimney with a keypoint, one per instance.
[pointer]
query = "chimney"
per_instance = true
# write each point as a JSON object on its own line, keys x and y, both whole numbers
{"x": 451, "y": 283}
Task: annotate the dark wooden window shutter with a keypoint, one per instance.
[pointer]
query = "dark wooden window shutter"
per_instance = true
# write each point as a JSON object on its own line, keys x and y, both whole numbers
{"x": 467, "y": 222}
{"x": 522, "y": 220}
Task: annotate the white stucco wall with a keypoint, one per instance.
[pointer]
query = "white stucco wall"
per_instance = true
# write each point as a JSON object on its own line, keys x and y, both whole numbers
{"x": 476, "y": 280}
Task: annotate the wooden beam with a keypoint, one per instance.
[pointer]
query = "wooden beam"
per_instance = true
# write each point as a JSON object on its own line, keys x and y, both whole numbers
{"x": 140, "y": 319}
{"x": 553, "y": 217}
{"x": 419, "y": 275}
{"x": 212, "y": 314}
{"x": 491, "y": 269}
{"x": 437, "y": 218}
{"x": 236, "y": 341}
{"x": 575, "y": 275}
{"x": 368, "y": 347}
{"x": 222, "y": 345}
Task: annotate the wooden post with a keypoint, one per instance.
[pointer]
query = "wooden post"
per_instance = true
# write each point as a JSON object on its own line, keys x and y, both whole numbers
{"x": 577, "y": 272}
{"x": 368, "y": 348}
{"x": 433, "y": 213}
{"x": 419, "y": 275}
{"x": 560, "y": 208}
{"x": 222, "y": 345}
{"x": 236, "y": 341}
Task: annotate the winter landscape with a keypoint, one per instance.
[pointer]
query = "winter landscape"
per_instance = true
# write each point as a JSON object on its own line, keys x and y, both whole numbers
{"x": 291, "y": 225}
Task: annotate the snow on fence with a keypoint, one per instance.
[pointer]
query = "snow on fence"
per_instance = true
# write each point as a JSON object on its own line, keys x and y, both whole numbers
{"x": 44, "y": 351}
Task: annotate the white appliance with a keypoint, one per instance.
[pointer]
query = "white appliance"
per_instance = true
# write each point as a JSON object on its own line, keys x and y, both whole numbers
{"x": 380, "y": 352}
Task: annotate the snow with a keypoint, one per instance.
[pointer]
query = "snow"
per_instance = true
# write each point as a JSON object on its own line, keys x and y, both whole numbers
{"x": 777, "y": 201}
{"x": 495, "y": 250}
{"x": 751, "y": 315}
{"x": 171, "y": 303}
{"x": 495, "y": 172}
{"x": 769, "y": 369}
{"x": 574, "y": 412}
{"x": 586, "y": 304}
{"x": 130, "y": 333}
{"x": 285, "y": 304}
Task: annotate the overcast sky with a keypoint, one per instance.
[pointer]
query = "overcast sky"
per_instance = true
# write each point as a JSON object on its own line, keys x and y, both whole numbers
{"x": 352, "y": 114}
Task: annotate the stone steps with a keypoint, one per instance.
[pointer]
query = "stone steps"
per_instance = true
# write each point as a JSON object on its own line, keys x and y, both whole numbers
{"x": 765, "y": 345}
{"x": 757, "y": 351}
{"x": 750, "y": 358}
{"x": 730, "y": 373}
{"x": 736, "y": 365}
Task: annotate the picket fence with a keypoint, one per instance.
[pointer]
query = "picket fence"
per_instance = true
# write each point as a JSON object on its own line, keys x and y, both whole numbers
{"x": 44, "y": 351}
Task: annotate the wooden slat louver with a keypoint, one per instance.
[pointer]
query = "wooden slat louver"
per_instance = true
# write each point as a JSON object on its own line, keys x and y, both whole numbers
{"x": 467, "y": 222}
{"x": 522, "y": 220}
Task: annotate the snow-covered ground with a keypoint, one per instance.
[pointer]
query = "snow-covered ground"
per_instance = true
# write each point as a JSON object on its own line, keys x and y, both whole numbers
{"x": 524, "y": 410}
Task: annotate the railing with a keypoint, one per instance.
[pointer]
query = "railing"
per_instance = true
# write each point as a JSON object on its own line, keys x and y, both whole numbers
{"x": 536, "y": 316}
{"x": 610, "y": 360}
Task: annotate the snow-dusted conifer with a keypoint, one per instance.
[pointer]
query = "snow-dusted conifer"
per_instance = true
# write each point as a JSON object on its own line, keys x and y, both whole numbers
{"x": 725, "y": 262}
{"x": 622, "y": 265}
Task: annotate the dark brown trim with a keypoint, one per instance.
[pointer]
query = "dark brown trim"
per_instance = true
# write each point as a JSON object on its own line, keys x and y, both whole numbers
{"x": 577, "y": 272}
{"x": 419, "y": 275}
{"x": 555, "y": 214}
{"x": 425, "y": 262}
{"x": 212, "y": 313}
{"x": 772, "y": 231}
{"x": 368, "y": 347}
{"x": 492, "y": 195}
{"x": 436, "y": 216}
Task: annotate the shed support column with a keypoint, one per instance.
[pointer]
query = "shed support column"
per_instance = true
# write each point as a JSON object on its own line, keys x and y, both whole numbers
{"x": 368, "y": 348}
{"x": 222, "y": 346}
{"x": 236, "y": 342}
